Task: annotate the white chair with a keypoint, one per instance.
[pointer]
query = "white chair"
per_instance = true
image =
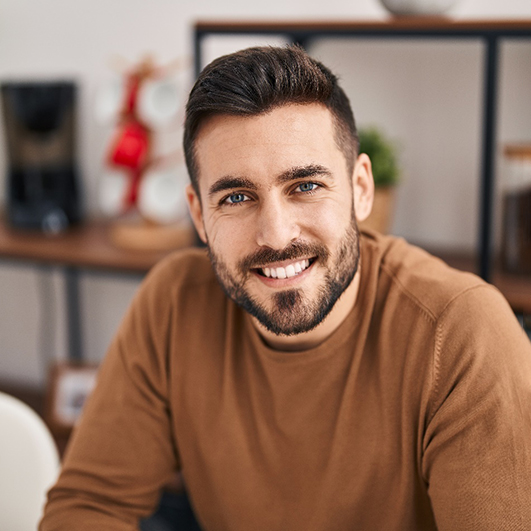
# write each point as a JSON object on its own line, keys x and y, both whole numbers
{"x": 29, "y": 464}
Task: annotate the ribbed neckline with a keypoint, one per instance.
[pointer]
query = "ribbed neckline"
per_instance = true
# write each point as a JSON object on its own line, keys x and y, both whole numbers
{"x": 346, "y": 330}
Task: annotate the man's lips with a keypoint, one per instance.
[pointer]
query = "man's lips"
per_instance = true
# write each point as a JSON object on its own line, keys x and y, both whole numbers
{"x": 285, "y": 270}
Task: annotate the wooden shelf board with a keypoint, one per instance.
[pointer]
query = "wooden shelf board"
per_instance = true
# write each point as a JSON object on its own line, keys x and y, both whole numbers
{"x": 87, "y": 245}
{"x": 418, "y": 23}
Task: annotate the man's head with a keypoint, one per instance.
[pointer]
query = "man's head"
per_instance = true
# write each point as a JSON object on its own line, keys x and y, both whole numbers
{"x": 255, "y": 81}
{"x": 276, "y": 185}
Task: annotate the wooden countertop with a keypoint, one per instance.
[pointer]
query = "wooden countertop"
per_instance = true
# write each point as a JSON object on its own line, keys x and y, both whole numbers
{"x": 87, "y": 246}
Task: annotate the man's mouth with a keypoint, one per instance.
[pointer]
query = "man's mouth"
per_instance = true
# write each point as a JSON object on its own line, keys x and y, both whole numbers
{"x": 291, "y": 270}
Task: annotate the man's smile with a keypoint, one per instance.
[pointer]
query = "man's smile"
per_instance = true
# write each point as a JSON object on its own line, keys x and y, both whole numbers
{"x": 286, "y": 269}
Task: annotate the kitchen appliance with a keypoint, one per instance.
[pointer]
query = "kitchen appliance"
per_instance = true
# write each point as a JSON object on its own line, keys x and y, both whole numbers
{"x": 42, "y": 176}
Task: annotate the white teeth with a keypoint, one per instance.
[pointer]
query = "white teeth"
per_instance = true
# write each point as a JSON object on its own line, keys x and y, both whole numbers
{"x": 286, "y": 272}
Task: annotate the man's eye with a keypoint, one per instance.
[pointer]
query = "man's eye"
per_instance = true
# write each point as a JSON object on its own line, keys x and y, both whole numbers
{"x": 307, "y": 187}
{"x": 234, "y": 199}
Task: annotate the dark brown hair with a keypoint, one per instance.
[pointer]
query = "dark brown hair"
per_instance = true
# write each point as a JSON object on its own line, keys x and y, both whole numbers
{"x": 256, "y": 80}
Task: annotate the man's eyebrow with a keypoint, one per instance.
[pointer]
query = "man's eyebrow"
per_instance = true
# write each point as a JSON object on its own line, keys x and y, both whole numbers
{"x": 229, "y": 182}
{"x": 300, "y": 172}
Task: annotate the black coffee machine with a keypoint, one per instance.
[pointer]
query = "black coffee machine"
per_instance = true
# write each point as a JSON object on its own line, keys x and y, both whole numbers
{"x": 42, "y": 178}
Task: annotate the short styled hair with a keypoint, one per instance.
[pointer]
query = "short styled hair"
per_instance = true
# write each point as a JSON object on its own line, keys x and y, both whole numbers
{"x": 256, "y": 80}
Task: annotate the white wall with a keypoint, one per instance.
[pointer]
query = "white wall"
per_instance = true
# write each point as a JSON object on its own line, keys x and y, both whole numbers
{"x": 426, "y": 96}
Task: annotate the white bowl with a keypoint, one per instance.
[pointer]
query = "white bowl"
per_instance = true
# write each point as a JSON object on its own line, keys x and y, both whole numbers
{"x": 158, "y": 102}
{"x": 161, "y": 195}
{"x": 113, "y": 189}
{"x": 418, "y": 7}
{"x": 109, "y": 101}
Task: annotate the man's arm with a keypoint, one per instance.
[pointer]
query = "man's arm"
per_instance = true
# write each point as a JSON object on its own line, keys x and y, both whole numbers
{"x": 477, "y": 444}
{"x": 122, "y": 452}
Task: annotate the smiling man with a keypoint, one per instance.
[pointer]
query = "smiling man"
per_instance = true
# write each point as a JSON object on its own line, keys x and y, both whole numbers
{"x": 300, "y": 374}
{"x": 279, "y": 218}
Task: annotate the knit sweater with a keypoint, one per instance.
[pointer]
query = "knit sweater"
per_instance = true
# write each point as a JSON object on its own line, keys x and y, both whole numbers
{"x": 415, "y": 414}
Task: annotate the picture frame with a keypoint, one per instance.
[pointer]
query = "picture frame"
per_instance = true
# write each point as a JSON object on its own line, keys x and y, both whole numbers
{"x": 69, "y": 387}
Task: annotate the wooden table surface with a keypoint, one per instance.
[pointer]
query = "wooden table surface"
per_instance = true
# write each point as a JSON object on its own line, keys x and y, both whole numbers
{"x": 86, "y": 246}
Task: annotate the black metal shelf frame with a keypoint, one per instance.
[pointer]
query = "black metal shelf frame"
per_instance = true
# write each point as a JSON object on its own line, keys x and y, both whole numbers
{"x": 491, "y": 38}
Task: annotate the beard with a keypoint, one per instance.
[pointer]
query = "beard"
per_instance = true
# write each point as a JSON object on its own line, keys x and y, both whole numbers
{"x": 291, "y": 311}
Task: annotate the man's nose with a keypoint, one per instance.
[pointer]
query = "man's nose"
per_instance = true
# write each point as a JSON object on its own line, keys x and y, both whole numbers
{"x": 277, "y": 225}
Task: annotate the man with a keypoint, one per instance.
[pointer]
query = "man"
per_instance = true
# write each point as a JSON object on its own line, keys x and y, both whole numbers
{"x": 302, "y": 376}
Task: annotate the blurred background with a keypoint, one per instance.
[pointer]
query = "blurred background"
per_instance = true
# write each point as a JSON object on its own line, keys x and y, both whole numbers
{"x": 426, "y": 96}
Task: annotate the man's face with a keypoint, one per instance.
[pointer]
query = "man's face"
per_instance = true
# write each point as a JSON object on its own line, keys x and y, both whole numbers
{"x": 277, "y": 214}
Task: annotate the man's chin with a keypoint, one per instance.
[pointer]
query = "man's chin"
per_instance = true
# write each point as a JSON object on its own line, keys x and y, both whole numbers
{"x": 289, "y": 313}
{"x": 285, "y": 325}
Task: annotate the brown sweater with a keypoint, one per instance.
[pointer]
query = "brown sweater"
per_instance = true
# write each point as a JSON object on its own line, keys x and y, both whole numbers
{"x": 414, "y": 415}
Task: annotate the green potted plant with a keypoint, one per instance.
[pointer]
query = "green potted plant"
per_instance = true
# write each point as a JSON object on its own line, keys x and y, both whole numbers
{"x": 383, "y": 155}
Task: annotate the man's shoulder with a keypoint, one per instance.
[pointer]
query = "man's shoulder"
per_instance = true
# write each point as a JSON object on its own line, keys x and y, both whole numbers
{"x": 424, "y": 279}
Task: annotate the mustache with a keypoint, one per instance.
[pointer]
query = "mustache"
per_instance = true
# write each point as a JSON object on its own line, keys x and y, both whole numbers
{"x": 296, "y": 249}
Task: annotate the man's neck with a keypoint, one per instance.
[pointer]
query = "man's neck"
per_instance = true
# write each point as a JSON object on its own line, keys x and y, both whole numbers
{"x": 321, "y": 332}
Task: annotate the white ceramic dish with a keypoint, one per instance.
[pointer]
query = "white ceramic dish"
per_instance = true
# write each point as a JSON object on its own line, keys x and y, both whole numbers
{"x": 418, "y": 7}
{"x": 161, "y": 196}
{"x": 114, "y": 185}
{"x": 109, "y": 101}
{"x": 158, "y": 102}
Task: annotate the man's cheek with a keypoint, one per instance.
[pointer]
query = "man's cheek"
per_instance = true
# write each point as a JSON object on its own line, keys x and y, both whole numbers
{"x": 231, "y": 239}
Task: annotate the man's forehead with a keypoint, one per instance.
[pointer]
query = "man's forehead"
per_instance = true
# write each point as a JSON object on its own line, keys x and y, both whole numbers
{"x": 293, "y": 132}
{"x": 288, "y": 114}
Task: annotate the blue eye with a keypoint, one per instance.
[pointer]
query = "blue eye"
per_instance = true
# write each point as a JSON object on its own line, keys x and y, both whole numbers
{"x": 234, "y": 199}
{"x": 307, "y": 187}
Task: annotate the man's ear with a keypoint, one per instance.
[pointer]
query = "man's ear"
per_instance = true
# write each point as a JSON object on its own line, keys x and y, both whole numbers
{"x": 194, "y": 205}
{"x": 363, "y": 186}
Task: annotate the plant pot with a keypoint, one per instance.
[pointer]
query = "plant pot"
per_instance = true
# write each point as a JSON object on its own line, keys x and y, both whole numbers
{"x": 381, "y": 217}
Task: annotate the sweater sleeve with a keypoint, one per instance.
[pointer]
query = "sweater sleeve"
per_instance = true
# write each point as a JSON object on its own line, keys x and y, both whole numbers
{"x": 122, "y": 452}
{"x": 477, "y": 443}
